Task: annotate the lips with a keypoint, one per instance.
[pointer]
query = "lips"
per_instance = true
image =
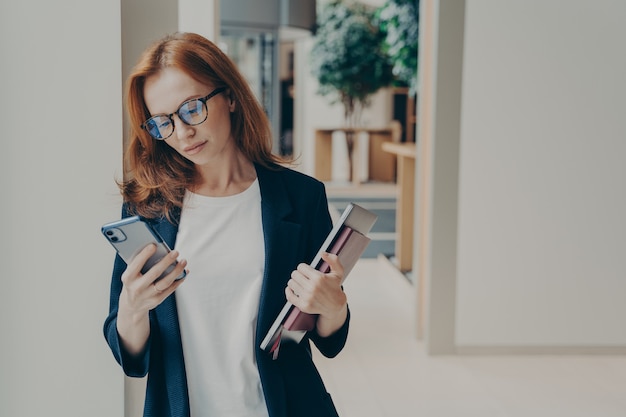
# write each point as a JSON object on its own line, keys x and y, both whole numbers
{"x": 194, "y": 148}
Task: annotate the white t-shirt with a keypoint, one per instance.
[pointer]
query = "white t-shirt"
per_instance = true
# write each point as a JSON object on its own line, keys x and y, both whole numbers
{"x": 222, "y": 240}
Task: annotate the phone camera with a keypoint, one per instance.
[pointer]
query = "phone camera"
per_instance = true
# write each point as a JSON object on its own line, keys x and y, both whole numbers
{"x": 115, "y": 235}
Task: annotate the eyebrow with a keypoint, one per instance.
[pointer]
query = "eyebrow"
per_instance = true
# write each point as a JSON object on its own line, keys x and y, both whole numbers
{"x": 194, "y": 97}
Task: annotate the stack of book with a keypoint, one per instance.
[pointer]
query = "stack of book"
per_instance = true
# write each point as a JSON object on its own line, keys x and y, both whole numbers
{"x": 348, "y": 240}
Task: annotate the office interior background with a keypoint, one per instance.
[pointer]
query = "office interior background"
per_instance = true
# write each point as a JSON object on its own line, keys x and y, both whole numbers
{"x": 520, "y": 180}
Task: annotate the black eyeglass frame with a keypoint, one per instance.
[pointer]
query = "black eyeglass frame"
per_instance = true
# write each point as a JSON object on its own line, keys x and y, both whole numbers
{"x": 177, "y": 112}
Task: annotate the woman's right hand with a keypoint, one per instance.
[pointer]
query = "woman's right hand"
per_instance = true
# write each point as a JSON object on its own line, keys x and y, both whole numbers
{"x": 143, "y": 292}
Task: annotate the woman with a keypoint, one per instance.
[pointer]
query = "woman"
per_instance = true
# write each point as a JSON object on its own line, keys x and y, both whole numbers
{"x": 202, "y": 171}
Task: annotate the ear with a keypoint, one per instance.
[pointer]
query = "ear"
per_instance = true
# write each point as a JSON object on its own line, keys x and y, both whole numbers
{"x": 231, "y": 100}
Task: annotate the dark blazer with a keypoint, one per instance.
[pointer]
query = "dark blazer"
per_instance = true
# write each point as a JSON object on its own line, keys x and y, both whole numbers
{"x": 295, "y": 223}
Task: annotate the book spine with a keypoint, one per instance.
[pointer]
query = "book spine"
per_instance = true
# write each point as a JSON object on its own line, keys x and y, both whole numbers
{"x": 337, "y": 245}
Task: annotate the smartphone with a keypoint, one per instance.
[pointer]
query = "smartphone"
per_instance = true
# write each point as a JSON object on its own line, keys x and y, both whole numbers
{"x": 131, "y": 235}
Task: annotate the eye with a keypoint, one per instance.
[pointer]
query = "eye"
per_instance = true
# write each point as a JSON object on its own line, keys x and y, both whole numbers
{"x": 159, "y": 126}
{"x": 192, "y": 107}
{"x": 192, "y": 111}
{"x": 162, "y": 122}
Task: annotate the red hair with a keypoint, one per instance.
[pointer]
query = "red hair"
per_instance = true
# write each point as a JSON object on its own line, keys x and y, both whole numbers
{"x": 158, "y": 175}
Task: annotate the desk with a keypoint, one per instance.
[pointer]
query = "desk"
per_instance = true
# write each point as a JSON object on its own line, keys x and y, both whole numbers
{"x": 405, "y": 212}
{"x": 381, "y": 164}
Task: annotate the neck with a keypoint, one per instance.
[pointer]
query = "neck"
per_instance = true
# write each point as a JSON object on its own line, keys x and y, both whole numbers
{"x": 229, "y": 176}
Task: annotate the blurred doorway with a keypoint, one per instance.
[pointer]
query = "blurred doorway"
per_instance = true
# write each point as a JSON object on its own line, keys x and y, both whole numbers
{"x": 254, "y": 51}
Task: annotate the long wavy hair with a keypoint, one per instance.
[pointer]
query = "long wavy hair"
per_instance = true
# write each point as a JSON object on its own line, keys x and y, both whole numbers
{"x": 157, "y": 175}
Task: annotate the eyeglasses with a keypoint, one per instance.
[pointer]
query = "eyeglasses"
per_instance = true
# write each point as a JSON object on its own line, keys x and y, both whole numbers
{"x": 191, "y": 112}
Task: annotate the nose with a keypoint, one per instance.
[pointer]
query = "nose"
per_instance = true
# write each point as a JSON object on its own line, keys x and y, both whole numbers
{"x": 182, "y": 130}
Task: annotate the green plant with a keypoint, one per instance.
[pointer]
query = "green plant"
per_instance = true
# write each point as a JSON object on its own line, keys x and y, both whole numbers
{"x": 347, "y": 57}
{"x": 399, "y": 21}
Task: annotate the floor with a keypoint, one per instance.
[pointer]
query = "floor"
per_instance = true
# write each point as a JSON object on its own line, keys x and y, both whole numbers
{"x": 384, "y": 371}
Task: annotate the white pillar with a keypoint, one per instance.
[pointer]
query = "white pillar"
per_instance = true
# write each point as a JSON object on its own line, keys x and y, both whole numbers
{"x": 437, "y": 175}
{"x": 61, "y": 153}
{"x": 201, "y": 17}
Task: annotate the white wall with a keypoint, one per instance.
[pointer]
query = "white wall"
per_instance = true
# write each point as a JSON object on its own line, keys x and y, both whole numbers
{"x": 61, "y": 151}
{"x": 542, "y": 181}
{"x": 538, "y": 259}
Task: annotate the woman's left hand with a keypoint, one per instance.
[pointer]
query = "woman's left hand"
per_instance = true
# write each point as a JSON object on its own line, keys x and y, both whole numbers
{"x": 314, "y": 292}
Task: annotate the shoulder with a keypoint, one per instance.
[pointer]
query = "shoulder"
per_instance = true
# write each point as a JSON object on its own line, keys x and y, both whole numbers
{"x": 295, "y": 182}
{"x": 292, "y": 195}
{"x": 289, "y": 174}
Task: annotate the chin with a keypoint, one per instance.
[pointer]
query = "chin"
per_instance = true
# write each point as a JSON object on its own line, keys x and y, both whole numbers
{"x": 202, "y": 160}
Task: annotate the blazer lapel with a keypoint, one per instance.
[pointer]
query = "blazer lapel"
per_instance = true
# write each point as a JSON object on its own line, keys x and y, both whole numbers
{"x": 279, "y": 234}
{"x": 167, "y": 319}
